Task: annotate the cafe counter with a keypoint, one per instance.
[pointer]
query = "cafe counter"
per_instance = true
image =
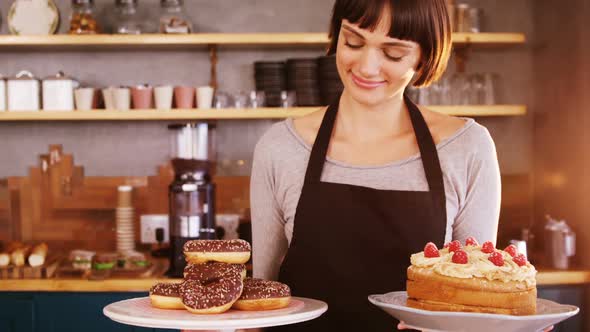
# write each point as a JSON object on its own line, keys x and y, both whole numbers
{"x": 60, "y": 304}
{"x": 544, "y": 278}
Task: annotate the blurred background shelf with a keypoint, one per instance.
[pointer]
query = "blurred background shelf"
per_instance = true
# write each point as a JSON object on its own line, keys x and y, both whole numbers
{"x": 234, "y": 114}
{"x": 221, "y": 39}
{"x": 489, "y": 38}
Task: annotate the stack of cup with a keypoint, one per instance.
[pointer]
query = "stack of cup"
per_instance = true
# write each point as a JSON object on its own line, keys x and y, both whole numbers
{"x": 124, "y": 219}
{"x": 117, "y": 98}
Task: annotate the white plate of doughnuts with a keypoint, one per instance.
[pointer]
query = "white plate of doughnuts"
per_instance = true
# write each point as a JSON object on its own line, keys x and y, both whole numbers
{"x": 139, "y": 312}
{"x": 548, "y": 313}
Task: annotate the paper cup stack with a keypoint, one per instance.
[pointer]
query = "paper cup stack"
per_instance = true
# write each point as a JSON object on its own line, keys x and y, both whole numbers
{"x": 124, "y": 218}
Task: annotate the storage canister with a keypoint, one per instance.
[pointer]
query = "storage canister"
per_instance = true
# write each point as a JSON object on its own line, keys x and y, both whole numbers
{"x": 58, "y": 93}
{"x": 23, "y": 92}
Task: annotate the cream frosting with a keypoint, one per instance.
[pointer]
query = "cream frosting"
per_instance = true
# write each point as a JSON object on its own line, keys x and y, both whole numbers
{"x": 478, "y": 266}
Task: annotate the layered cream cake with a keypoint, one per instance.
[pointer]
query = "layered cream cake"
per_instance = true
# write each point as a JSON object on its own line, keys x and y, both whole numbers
{"x": 472, "y": 278}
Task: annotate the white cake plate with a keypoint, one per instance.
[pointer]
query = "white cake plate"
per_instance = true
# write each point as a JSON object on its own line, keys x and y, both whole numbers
{"x": 548, "y": 313}
{"x": 139, "y": 312}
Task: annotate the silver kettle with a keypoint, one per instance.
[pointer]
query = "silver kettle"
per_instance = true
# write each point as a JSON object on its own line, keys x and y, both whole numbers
{"x": 560, "y": 243}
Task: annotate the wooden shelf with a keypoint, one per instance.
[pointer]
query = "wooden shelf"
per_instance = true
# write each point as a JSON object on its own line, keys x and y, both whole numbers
{"x": 229, "y": 114}
{"x": 200, "y": 39}
{"x": 80, "y": 285}
{"x": 481, "y": 110}
{"x": 486, "y": 38}
{"x": 563, "y": 277}
{"x": 205, "y": 39}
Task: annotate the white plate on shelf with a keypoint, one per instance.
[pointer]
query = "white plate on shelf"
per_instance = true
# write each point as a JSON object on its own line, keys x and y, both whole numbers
{"x": 33, "y": 17}
{"x": 548, "y": 313}
{"x": 139, "y": 312}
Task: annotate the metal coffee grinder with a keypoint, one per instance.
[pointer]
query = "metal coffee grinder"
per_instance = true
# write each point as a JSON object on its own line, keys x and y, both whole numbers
{"x": 192, "y": 193}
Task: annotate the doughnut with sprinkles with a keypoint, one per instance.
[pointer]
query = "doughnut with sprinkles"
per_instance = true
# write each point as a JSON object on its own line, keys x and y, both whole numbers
{"x": 225, "y": 251}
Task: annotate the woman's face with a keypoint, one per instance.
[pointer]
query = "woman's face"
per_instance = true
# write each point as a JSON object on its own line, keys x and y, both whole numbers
{"x": 373, "y": 66}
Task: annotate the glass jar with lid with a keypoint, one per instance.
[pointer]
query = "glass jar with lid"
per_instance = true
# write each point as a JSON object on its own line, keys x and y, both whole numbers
{"x": 128, "y": 20}
{"x": 82, "y": 18}
{"x": 173, "y": 18}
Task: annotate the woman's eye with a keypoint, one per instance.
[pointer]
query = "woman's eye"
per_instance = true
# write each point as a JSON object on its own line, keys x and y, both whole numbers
{"x": 393, "y": 58}
{"x": 353, "y": 46}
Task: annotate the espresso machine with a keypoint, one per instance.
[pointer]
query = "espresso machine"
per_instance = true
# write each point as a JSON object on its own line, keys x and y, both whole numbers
{"x": 192, "y": 193}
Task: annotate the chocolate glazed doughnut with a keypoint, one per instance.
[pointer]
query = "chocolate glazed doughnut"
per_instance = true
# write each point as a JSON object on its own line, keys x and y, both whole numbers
{"x": 166, "y": 296}
{"x": 214, "y": 297}
{"x": 261, "y": 294}
{"x": 213, "y": 270}
{"x": 224, "y": 251}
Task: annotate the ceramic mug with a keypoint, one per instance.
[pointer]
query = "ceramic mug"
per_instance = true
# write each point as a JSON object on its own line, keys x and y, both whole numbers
{"x": 122, "y": 99}
{"x": 84, "y": 98}
{"x": 163, "y": 97}
{"x": 109, "y": 98}
{"x": 184, "y": 96}
{"x": 142, "y": 96}
{"x": 204, "y": 97}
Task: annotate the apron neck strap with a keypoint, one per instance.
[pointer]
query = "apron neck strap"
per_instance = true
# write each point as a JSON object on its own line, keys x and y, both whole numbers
{"x": 319, "y": 150}
{"x": 428, "y": 152}
{"x": 426, "y": 145}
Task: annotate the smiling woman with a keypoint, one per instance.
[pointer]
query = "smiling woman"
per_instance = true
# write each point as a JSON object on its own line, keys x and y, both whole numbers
{"x": 342, "y": 197}
{"x": 406, "y": 23}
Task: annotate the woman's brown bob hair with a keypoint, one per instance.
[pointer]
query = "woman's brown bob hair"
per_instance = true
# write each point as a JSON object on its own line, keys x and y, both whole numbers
{"x": 425, "y": 22}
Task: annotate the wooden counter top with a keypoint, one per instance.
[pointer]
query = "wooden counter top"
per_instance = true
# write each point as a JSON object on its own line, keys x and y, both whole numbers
{"x": 544, "y": 278}
{"x": 563, "y": 277}
{"x": 80, "y": 285}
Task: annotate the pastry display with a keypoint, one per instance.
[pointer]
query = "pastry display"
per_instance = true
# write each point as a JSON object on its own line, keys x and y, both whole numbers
{"x": 262, "y": 294}
{"x": 104, "y": 261}
{"x": 213, "y": 270}
{"x": 132, "y": 261}
{"x": 214, "y": 297}
{"x": 18, "y": 254}
{"x": 472, "y": 278}
{"x": 215, "y": 281}
{"x": 225, "y": 251}
{"x": 81, "y": 259}
{"x": 166, "y": 296}
{"x": 27, "y": 260}
{"x": 4, "y": 259}
{"x": 38, "y": 255}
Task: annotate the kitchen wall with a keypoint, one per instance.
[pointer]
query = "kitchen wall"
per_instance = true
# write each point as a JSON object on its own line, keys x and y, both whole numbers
{"x": 136, "y": 148}
{"x": 562, "y": 82}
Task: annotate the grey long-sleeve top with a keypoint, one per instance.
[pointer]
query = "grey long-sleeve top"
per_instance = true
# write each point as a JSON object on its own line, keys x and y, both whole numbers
{"x": 470, "y": 169}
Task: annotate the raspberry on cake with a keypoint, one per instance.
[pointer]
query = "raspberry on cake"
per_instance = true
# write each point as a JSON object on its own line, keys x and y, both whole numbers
{"x": 496, "y": 258}
{"x": 472, "y": 278}
{"x": 511, "y": 249}
{"x": 460, "y": 257}
{"x": 454, "y": 246}
{"x": 430, "y": 250}
{"x": 471, "y": 241}
{"x": 488, "y": 247}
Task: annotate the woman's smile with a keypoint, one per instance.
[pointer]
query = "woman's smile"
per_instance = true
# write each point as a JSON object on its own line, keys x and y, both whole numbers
{"x": 366, "y": 84}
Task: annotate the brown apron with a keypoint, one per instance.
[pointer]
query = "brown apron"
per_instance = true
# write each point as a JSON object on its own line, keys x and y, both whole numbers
{"x": 351, "y": 241}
